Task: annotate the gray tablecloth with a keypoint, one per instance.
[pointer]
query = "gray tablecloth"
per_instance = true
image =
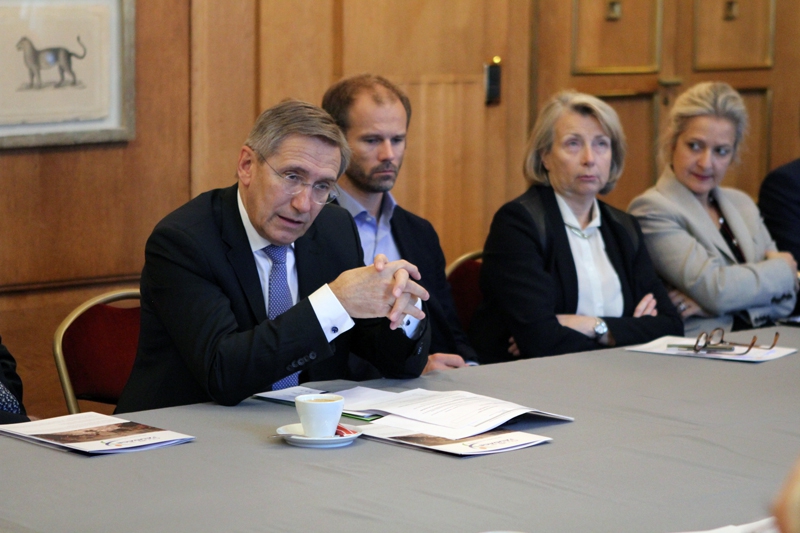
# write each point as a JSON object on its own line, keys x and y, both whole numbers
{"x": 659, "y": 444}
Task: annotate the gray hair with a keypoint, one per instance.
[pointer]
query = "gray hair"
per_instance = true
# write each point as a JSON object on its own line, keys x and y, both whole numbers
{"x": 715, "y": 99}
{"x": 293, "y": 117}
{"x": 543, "y": 133}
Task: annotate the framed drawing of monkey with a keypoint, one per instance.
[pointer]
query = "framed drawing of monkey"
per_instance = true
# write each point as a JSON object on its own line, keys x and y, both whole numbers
{"x": 68, "y": 72}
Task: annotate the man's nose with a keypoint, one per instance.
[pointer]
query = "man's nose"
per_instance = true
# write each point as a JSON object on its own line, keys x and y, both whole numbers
{"x": 386, "y": 151}
{"x": 302, "y": 201}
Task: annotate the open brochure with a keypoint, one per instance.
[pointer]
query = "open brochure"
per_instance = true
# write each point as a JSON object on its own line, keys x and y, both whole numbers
{"x": 452, "y": 414}
{"x": 737, "y": 353}
{"x": 93, "y": 433}
{"x": 495, "y": 441}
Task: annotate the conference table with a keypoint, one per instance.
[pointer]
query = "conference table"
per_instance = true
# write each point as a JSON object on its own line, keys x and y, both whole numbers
{"x": 659, "y": 444}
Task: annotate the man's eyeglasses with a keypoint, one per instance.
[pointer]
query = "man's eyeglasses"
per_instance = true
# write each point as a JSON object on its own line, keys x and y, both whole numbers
{"x": 715, "y": 343}
{"x": 322, "y": 192}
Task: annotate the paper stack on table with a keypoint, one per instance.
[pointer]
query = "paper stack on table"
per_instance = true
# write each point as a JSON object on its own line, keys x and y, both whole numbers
{"x": 456, "y": 422}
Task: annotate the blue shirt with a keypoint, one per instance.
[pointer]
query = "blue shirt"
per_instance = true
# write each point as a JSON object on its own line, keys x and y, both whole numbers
{"x": 376, "y": 234}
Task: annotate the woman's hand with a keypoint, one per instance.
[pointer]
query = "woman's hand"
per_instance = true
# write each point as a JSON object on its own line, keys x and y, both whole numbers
{"x": 647, "y": 307}
{"x": 513, "y": 349}
{"x": 685, "y": 305}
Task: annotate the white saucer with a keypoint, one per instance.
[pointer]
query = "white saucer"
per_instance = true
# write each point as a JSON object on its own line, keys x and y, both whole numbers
{"x": 293, "y": 434}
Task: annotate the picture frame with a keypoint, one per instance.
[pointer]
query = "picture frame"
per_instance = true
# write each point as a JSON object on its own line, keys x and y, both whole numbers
{"x": 69, "y": 72}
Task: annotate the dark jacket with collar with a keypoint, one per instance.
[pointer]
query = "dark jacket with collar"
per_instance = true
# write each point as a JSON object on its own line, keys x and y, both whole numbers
{"x": 418, "y": 244}
{"x": 204, "y": 329}
{"x": 526, "y": 283}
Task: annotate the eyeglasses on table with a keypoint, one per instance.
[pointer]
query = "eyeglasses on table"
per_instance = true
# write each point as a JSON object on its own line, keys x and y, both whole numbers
{"x": 714, "y": 342}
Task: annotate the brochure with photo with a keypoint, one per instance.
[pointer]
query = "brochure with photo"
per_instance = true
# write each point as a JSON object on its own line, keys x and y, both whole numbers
{"x": 93, "y": 433}
{"x": 495, "y": 441}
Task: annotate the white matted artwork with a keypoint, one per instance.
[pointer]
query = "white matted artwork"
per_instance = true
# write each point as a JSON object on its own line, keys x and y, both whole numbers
{"x": 67, "y": 71}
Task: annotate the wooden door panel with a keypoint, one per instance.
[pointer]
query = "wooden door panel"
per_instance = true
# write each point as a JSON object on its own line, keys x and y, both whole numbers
{"x": 637, "y": 114}
{"x": 442, "y": 176}
{"x": 736, "y": 34}
{"x": 435, "y": 50}
{"x": 754, "y": 155}
{"x": 413, "y": 37}
{"x": 748, "y": 44}
{"x": 301, "y": 66}
{"x": 615, "y": 37}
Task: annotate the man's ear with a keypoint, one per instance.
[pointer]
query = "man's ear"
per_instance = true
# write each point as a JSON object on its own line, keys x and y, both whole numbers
{"x": 245, "y": 167}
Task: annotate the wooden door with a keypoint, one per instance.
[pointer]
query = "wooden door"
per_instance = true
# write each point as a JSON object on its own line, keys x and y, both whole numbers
{"x": 638, "y": 55}
{"x": 463, "y": 158}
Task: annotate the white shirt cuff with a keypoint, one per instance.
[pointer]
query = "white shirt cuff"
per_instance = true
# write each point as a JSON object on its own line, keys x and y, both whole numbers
{"x": 331, "y": 315}
{"x": 411, "y": 324}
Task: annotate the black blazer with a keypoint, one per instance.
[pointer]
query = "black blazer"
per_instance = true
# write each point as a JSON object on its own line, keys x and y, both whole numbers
{"x": 526, "y": 286}
{"x": 779, "y": 203}
{"x": 9, "y": 378}
{"x": 204, "y": 329}
{"x": 418, "y": 244}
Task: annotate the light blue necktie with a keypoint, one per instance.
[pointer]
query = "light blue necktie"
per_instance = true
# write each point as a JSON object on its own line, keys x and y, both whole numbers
{"x": 280, "y": 300}
{"x": 8, "y": 402}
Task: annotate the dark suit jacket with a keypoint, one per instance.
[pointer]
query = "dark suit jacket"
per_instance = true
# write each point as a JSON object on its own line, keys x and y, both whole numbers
{"x": 204, "y": 329}
{"x": 526, "y": 286}
{"x": 9, "y": 378}
{"x": 418, "y": 244}
{"x": 779, "y": 203}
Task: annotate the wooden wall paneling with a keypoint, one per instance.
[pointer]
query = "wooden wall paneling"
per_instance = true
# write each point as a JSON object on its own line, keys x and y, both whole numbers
{"x": 637, "y": 113}
{"x": 224, "y": 92}
{"x": 747, "y": 174}
{"x": 75, "y": 216}
{"x": 82, "y": 213}
{"x": 413, "y": 37}
{"x": 785, "y": 126}
{"x": 518, "y": 71}
{"x": 458, "y": 174}
{"x": 733, "y": 35}
{"x": 769, "y": 92}
{"x": 442, "y": 174}
{"x": 554, "y": 50}
{"x": 626, "y": 43}
{"x": 298, "y": 49}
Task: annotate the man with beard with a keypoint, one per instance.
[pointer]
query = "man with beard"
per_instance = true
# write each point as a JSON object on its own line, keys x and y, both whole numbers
{"x": 374, "y": 115}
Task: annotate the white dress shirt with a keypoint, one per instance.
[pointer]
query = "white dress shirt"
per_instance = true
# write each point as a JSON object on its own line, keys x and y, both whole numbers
{"x": 599, "y": 288}
{"x": 331, "y": 314}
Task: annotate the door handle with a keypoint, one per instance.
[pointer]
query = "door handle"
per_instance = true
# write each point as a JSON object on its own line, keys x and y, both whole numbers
{"x": 669, "y": 82}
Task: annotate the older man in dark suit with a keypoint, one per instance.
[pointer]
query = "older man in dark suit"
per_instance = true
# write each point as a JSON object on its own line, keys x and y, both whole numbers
{"x": 374, "y": 115}
{"x": 262, "y": 285}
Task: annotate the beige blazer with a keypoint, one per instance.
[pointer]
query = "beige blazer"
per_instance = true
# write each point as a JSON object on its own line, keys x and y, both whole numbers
{"x": 689, "y": 253}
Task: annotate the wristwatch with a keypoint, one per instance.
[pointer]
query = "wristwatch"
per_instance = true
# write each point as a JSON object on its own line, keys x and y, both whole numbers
{"x": 600, "y": 327}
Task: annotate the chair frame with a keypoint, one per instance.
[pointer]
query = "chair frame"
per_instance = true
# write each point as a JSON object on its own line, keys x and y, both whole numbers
{"x": 58, "y": 338}
{"x": 474, "y": 254}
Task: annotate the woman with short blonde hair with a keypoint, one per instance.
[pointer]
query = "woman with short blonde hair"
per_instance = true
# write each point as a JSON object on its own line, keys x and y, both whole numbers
{"x": 562, "y": 271}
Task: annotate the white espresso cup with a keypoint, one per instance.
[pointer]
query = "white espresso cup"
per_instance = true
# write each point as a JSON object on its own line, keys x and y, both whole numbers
{"x": 319, "y": 413}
